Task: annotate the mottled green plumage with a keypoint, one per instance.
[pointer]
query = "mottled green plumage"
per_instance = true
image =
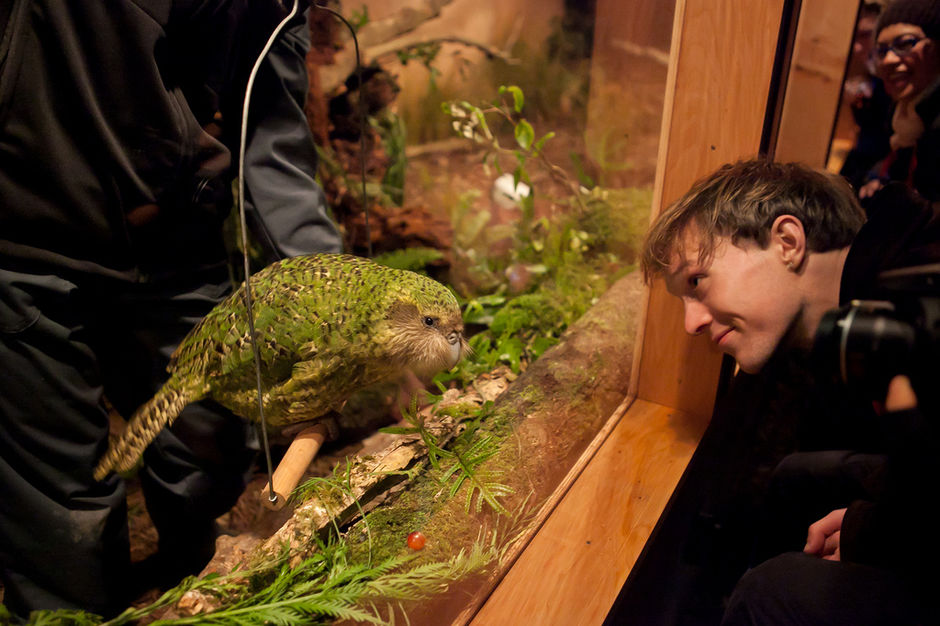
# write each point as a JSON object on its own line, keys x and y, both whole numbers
{"x": 326, "y": 325}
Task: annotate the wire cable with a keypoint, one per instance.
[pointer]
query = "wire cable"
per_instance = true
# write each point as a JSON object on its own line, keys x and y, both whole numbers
{"x": 272, "y": 496}
{"x": 252, "y": 339}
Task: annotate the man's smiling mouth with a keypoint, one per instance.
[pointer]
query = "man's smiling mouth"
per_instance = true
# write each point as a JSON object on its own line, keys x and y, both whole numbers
{"x": 720, "y": 336}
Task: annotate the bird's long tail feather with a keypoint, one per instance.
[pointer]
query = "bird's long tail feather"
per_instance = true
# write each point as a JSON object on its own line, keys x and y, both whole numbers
{"x": 152, "y": 417}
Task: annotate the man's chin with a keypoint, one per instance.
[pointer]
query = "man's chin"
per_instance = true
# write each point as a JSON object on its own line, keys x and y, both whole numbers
{"x": 751, "y": 368}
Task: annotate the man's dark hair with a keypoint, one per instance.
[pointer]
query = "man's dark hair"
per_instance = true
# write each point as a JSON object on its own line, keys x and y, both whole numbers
{"x": 741, "y": 201}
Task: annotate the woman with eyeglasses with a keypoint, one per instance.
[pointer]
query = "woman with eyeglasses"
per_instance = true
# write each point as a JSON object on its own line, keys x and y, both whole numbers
{"x": 907, "y": 58}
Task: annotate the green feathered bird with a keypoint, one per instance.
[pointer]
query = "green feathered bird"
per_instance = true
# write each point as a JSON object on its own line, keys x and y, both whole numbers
{"x": 327, "y": 325}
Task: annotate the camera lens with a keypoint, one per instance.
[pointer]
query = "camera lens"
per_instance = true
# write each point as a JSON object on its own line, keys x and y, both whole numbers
{"x": 865, "y": 343}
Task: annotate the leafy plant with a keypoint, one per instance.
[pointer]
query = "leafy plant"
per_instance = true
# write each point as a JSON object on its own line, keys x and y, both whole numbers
{"x": 466, "y": 470}
{"x": 391, "y": 130}
{"x": 413, "y": 259}
{"x": 318, "y": 590}
{"x": 465, "y": 458}
{"x": 416, "y": 420}
{"x": 471, "y": 121}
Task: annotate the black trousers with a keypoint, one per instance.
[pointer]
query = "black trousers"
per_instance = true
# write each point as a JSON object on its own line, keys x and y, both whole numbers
{"x": 66, "y": 344}
{"x": 791, "y": 588}
{"x": 798, "y": 589}
{"x": 807, "y": 486}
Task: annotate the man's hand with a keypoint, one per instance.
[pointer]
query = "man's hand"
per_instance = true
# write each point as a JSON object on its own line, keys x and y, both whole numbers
{"x": 900, "y": 394}
{"x": 868, "y": 189}
{"x": 823, "y": 536}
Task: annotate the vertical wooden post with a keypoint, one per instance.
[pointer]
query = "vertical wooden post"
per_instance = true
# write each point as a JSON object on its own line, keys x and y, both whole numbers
{"x": 720, "y": 76}
{"x": 823, "y": 42}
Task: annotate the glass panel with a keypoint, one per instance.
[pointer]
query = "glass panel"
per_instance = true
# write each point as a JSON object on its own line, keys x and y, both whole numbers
{"x": 510, "y": 153}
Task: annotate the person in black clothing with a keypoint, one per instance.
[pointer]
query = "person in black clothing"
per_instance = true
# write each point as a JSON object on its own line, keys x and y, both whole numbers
{"x": 757, "y": 252}
{"x": 907, "y": 60}
{"x": 119, "y": 122}
{"x": 868, "y": 101}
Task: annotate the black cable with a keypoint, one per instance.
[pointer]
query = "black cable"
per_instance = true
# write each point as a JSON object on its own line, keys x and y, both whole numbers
{"x": 244, "y": 225}
{"x": 272, "y": 496}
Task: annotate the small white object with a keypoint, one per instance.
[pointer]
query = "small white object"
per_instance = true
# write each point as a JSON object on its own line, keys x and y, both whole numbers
{"x": 505, "y": 195}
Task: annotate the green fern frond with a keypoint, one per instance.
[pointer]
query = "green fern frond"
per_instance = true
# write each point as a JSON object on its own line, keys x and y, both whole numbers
{"x": 465, "y": 469}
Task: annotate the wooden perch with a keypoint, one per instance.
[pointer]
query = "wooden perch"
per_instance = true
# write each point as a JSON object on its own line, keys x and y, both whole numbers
{"x": 295, "y": 462}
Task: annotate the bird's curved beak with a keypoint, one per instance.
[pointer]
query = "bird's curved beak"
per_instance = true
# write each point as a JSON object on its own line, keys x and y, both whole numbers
{"x": 456, "y": 344}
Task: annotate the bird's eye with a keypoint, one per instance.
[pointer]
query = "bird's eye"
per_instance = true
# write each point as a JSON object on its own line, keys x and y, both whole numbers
{"x": 429, "y": 321}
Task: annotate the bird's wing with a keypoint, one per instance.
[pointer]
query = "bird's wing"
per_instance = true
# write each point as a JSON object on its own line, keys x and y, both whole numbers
{"x": 319, "y": 382}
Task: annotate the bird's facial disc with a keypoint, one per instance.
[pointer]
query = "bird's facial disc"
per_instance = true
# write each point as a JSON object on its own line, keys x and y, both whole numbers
{"x": 428, "y": 341}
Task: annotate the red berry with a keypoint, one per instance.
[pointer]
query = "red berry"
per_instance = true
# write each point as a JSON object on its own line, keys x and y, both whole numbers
{"x": 416, "y": 540}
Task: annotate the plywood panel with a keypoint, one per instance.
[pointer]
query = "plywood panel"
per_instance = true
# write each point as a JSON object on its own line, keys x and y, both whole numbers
{"x": 715, "y": 111}
{"x": 814, "y": 85}
{"x": 574, "y": 568}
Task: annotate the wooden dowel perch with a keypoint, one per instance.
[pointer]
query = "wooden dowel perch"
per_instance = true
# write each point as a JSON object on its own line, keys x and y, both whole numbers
{"x": 291, "y": 469}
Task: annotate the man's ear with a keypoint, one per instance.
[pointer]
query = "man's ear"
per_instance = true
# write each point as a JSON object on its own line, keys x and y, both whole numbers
{"x": 788, "y": 238}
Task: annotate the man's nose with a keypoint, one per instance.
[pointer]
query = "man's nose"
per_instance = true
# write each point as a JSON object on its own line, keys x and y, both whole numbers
{"x": 697, "y": 317}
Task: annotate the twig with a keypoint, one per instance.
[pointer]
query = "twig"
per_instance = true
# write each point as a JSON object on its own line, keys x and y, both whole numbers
{"x": 395, "y": 46}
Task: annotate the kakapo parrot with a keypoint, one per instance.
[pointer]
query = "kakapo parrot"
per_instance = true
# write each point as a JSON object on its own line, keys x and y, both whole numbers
{"x": 326, "y": 325}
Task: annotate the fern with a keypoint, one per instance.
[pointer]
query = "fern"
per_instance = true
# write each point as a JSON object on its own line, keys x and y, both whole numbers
{"x": 412, "y": 416}
{"x": 465, "y": 470}
{"x": 61, "y": 617}
{"x": 326, "y": 587}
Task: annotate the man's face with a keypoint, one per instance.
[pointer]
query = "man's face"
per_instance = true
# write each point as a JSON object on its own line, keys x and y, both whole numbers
{"x": 744, "y": 297}
{"x": 907, "y": 61}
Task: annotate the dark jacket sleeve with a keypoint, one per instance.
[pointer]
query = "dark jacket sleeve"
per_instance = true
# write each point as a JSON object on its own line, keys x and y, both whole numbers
{"x": 286, "y": 208}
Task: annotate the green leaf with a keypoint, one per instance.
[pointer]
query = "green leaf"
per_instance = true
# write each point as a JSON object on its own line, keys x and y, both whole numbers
{"x": 398, "y": 430}
{"x": 492, "y": 299}
{"x": 518, "y": 100}
{"x": 411, "y": 259}
{"x": 541, "y": 142}
{"x": 541, "y": 344}
{"x": 510, "y": 350}
{"x": 518, "y": 173}
{"x": 525, "y": 134}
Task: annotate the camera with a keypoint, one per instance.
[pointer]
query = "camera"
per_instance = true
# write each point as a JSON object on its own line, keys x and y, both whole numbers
{"x": 865, "y": 343}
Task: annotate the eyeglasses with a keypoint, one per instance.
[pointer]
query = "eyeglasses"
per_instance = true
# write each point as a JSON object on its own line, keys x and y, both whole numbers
{"x": 902, "y": 46}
